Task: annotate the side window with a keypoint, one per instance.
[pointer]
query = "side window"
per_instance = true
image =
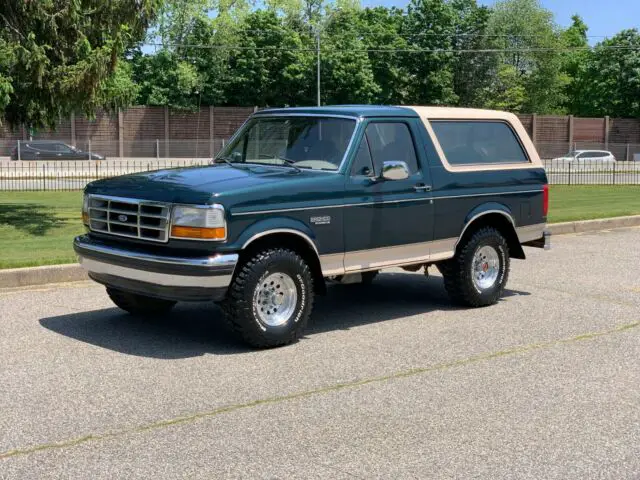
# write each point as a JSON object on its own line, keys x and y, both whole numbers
{"x": 391, "y": 141}
{"x": 478, "y": 142}
{"x": 362, "y": 164}
{"x": 62, "y": 148}
{"x": 43, "y": 147}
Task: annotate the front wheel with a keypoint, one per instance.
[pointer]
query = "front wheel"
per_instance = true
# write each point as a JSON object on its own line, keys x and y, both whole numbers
{"x": 270, "y": 299}
{"x": 478, "y": 274}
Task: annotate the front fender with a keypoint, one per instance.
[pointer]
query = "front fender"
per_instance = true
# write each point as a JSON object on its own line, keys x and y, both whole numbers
{"x": 270, "y": 225}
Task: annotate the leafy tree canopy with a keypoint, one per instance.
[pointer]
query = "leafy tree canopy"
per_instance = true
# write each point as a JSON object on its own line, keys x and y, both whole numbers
{"x": 609, "y": 83}
{"x": 60, "y": 56}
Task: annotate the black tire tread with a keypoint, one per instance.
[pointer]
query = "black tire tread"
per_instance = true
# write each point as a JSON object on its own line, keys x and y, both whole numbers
{"x": 235, "y": 305}
{"x": 456, "y": 275}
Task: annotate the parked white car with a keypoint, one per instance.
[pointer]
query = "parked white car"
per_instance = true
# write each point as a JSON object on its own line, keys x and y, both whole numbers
{"x": 587, "y": 155}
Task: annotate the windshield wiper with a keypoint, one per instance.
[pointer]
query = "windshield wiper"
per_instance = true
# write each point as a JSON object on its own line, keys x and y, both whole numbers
{"x": 226, "y": 160}
{"x": 287, "y": 161}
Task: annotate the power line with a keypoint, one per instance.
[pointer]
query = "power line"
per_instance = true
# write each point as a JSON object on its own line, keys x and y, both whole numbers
{"x": 397, "y": 50}
{"x": 421, "y": 34}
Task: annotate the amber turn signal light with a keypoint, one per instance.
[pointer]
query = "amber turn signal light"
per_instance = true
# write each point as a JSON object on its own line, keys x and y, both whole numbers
{"x": 218, "y": 233}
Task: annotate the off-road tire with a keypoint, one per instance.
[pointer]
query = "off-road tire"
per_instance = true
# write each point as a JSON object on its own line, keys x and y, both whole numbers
{"x": 240, "y": 311}
{"x": 458, "y": 271}
{"x": 139, "y": 304}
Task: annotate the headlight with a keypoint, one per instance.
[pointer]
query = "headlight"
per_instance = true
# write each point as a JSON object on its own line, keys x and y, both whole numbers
{"x": 199, "y": 223}
{"x": 85, "y": 210}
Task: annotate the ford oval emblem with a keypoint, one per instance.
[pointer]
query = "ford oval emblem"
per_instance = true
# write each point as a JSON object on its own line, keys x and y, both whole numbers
{"x": 122, "y": 218}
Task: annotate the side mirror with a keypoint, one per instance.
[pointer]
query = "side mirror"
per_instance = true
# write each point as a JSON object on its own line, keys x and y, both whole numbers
{"x": 394, "y": 170}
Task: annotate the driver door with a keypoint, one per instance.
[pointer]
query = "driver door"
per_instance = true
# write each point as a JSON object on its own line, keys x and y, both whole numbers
{"x": 387, "y": 222}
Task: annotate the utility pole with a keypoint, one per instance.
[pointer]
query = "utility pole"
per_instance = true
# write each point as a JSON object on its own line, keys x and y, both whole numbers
{"x": 318, "y": 62}
{"x": 319, "y": 27}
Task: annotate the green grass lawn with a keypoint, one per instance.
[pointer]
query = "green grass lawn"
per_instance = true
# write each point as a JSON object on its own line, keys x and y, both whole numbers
{"x": 569, "y": 203}
{"x": 37, "y": 228}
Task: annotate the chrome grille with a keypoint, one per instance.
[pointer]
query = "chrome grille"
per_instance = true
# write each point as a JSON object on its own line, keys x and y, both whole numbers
{"x": 126, "y": 217}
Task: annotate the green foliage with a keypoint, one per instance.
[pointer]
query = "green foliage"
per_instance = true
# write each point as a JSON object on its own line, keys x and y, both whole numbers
{"x": 532, "y": 44}
{"x": 347, "y": 75}
{"x": 472, "y": 72}
{"x": 7, "y": 60}
{"x": 165, "y": 79}
{"x": 272, "y": 67}
{"x": 609, "y": 83}
{"x": 382, "y": 29}
{"x": 430, "y": 24}
{"x": 60, "y": 56}
{"x": 574, "y": 61}
{"x": 507, "y": 91}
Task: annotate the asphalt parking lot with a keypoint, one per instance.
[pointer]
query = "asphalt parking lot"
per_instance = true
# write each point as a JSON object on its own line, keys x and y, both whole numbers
{"x": 390, "y": 382}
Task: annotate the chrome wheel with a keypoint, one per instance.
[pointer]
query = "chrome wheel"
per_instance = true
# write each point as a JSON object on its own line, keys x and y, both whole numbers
{"x": 486, "y": 267}
{"x": 275, "y": 299}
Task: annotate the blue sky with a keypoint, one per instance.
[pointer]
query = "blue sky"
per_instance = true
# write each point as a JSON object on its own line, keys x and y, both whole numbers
{"x": 604, "y": 17}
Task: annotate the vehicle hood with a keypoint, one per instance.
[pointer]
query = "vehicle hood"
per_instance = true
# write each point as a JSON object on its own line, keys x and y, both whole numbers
{"x": 195, "y": 185}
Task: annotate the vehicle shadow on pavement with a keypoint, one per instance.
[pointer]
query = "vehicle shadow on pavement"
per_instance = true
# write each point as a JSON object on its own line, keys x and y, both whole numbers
{"x": 391, "y": 296}
{"x": 193, "y": 330}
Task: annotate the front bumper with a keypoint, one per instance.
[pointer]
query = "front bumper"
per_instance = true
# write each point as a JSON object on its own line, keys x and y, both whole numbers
{"x": 171, "y": 278}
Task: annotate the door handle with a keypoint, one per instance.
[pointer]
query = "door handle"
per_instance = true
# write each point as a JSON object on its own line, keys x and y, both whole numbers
{"x": 421, "y": 187}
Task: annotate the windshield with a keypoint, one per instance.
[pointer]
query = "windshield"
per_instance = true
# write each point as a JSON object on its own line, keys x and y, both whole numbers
{"x": 315, "y": 143}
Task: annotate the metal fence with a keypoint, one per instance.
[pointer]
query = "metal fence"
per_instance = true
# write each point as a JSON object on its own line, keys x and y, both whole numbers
{"x": 623, "y": 152}
{"x": 594, "y": 172}
{"x": 109, "y": 149}
{"x": 74, "y": 175}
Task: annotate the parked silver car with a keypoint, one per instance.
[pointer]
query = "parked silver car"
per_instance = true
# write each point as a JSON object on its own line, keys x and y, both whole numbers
{"x": 587, "y": 155}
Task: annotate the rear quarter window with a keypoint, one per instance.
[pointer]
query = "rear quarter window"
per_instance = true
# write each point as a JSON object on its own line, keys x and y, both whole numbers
{"x": 478, "y": 142}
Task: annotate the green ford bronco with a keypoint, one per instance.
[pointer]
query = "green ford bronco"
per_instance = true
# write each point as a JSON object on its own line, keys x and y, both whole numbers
{"x": 303, "y": 196}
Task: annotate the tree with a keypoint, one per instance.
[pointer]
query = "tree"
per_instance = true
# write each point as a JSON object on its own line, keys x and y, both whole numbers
{"x": 61, "y": 56}
{"x": 165, "y": 79}
{"x": 381, "y": 34}
{"x": 272, "y": 67}
{"x": 532, "y": 48}
{"x": 347, "y": 75}
{"x": 574, "y": 61}
{"x": 610, "y": 82}
{"x": 472, "y": 72}
{"x": 507, "y": 91}
{"x": 430, "y": 26}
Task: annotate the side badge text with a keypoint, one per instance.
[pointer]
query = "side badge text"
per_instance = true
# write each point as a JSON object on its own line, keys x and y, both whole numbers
{"x": 325, "y": 220}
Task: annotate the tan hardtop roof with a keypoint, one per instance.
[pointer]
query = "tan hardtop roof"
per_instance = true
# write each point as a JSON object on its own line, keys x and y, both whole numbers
{"x": 460, "y": 113}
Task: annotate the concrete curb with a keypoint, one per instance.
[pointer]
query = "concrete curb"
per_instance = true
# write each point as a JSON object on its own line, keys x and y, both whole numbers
{"x": 23, "y": 277}
{"x": 593, "y": 225}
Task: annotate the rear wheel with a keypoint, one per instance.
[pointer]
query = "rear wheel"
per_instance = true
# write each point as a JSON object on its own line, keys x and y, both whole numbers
{"x": 270, "y": 299}
{"x": 478, "y": 274}
{"x": 139, "y": 304}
